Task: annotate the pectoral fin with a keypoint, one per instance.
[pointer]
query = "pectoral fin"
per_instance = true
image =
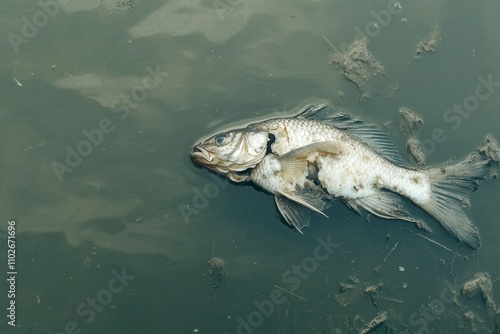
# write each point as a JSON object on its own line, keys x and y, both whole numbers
{"x": 295, "y": 161}
{"x": 294, "y": 206}
{"x": 312, "y": 201}
{"x": 295, "y": 215}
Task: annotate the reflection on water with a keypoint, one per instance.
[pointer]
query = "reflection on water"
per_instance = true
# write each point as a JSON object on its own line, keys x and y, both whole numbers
{"x": 118, "y": 209}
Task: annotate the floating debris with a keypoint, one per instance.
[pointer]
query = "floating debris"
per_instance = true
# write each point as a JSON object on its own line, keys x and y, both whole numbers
{"x": 397, "y": 5}
{"x": 87, "y": 262}
{"x": 217, "y": 271}
{"x": 373, "y": 288}
{"x": 392, "y": 250}
{"x": 467, "y": 319}
{"x": 376, "y": 296}
{"x": 352, "y": 324}
{"x": 375, "y": 322}
{"x": 127, "y": 4}
{"x": 14, "y": 75}
{"x": 358, "y": 65}
{"x": 353, "y": 290}
{"x": 441, "y": 245}
{"x": 348, "y": 292}
{"x": 289, "y": 291}
{"x": 428, "y": 44}
{"x": 473, "y": 323}
{"x": 391, "y": 90}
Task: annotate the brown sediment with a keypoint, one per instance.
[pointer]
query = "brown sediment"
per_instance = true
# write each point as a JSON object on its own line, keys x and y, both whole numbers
{"x": 411, "y": 124}
{"x": 429, "y": 43}
{"x": 415, "y": 180}
{"x": 480, "y": 284}
{"x": 490, "y": 148}
{"x": 358, "y": 65}
{"x": 413, "y": 148}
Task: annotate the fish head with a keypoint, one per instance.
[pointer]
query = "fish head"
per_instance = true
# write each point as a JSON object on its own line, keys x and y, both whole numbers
{"x": 228, "y": 153}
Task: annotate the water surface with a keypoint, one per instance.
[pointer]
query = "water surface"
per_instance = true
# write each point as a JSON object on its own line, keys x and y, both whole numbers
{"x": 154, "y": 77}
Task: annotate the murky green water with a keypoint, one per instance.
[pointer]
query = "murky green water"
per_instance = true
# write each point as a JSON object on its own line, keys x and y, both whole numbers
{"x": 101, "y": 103}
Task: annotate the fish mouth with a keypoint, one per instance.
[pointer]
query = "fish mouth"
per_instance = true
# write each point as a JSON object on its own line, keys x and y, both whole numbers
{"x": 200, "y": 155}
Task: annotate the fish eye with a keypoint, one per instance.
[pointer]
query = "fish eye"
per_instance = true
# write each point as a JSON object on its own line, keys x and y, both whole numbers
{"x": 221, "y": 139}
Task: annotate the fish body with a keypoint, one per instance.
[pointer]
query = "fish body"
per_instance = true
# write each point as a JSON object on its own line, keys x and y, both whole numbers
{"x": 358, "y": 164}
{"x": 358, "y": 172}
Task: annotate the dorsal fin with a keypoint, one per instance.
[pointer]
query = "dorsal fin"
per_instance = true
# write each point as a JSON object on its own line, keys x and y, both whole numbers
{"x": 310, "y": 110}
{"x": 366, "y": 133}
{"x": 378, "y": 141}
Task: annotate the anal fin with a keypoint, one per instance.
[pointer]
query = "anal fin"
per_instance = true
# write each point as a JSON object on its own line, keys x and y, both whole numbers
{"x": 386, "y": 205}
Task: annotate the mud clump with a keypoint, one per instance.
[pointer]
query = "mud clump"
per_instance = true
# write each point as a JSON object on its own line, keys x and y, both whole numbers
{"x": 353, "y": 290}
{"x": 473, "y": 322}
{"x": 466, "y": 318}
{"x": 349, "y": 292}
{"x": 358, "y": 65}
{"x": 217, "y": 271}
{"x": 413, "y": 148}
{"x": 411, "y": 124}
{"x": 480, "y": 284}
{"x": 428, "y": 44}
{"x": 490, "y": 148}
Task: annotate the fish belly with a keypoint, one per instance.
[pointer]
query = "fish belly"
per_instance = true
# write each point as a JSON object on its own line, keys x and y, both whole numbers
{"x": 363, "y": 173}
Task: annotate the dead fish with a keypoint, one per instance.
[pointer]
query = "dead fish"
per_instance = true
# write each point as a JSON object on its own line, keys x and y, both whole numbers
{"x": 365, "y": 172}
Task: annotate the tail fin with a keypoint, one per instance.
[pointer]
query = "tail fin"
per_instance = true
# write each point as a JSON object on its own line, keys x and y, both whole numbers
{"x": 451, "y": 187}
